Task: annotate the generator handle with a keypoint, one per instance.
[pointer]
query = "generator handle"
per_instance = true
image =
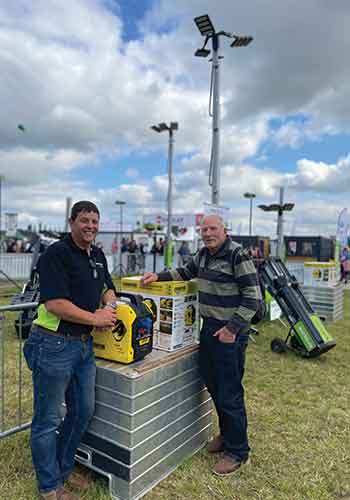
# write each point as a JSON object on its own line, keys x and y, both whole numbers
{"x": 134, "y": 299}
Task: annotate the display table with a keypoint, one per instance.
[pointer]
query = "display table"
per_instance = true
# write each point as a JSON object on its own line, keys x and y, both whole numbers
{"x": 149, "y": 417}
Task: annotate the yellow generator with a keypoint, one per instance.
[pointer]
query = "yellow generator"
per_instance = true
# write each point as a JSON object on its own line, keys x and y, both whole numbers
{"x": 132, "y": 336}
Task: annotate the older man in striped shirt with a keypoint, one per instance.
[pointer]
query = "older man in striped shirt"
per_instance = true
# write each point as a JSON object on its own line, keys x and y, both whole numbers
{"x": 229, "y": 296}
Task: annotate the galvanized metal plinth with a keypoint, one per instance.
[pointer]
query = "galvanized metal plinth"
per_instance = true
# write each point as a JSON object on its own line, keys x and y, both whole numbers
{"x": 149, "y": 417}
{"x": 326, "y": 301}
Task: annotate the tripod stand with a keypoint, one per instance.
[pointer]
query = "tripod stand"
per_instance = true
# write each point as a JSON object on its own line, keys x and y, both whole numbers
{"x": 118, "y": 269}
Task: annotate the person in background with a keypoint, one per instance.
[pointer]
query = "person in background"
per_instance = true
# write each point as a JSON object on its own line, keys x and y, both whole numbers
{"x": 114, "y": 247}
{"x": 132, "y": 246}
{"x": 258, "y": 253}
{"x": 132, "y": 249}
{"x": 184, "y": 253}
{"x": 345, "y": 264}
{"x": 74, "y": 279}
{"x": 142, "y": 248}
{"x": 142, "y": 255}
{"x": 124, "y": 245}
{"x": 229, "y": 296}
{"x": 160, "y": 246}
{"x": 154, "y": 248}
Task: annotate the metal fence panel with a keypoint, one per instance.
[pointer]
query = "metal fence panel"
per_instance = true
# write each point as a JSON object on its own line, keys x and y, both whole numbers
{"x": 18, "y": 266}
{"x": 15, "y": 266}
{"x": 15, "y": 378}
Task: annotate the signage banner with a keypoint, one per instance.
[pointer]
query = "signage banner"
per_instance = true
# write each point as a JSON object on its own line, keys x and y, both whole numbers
{"x": 343, "y": 227}
{"x": 11, "y": 222}
{"x": 183, "y": 220}
{"x": 183, "y": 226}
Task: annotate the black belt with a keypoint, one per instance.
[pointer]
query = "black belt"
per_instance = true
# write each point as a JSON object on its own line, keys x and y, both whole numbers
{"x": 83, "y": 337}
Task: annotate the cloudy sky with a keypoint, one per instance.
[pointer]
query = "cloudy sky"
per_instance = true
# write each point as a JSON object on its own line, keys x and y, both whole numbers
{"x": 87, "y": 79}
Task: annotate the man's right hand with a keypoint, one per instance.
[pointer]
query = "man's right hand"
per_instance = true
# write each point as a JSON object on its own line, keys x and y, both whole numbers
{"x": 149, "y": 278}
{"x": 104, "y": 318}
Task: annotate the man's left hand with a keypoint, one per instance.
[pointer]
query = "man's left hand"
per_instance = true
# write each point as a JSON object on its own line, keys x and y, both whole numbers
{"x": 225, "y": 336}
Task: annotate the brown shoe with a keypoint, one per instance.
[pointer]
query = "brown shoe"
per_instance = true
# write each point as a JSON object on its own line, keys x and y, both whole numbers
{"x": 78, "y": 481}
{"x": 216, "y": 445}
{"x": 64, "y": 494}
{"x": 50, "y": 495}
{"x": 227, "y": 466}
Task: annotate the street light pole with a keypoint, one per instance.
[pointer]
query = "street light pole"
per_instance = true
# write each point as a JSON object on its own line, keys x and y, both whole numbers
{"x": 206, "y": 28}
{"x": 120, "y": 203}
{"x": 214, "y": 173}
{"x": 161, "y": 127}
{"x": 68, "y": 209}
{"x": 250, "y": 196}
{"x": 250, "y": 216}
{"x": 280, "y": 224}
{"x": 170, "y": 197}
{"x": 280, "y": 208}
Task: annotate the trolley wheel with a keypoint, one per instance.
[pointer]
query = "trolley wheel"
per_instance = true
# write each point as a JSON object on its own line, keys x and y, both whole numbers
{"x": 278, "y": 345}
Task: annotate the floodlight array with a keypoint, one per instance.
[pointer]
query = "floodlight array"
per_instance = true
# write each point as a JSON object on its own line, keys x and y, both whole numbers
{"x": 204, "y": 25}
{"x": 241, "y": 41}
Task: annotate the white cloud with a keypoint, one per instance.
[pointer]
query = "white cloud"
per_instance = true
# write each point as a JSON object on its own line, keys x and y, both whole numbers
{"x": 290, "y": 134}
{"x": 138, "y": 194}
{"x": 295, "y": 133}
{"x": 321, "y": 177}
{"x": 23, "y": 167}
{"x": 83, "y": 94}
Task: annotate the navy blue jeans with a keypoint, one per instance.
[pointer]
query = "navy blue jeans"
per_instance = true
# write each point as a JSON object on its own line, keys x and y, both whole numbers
{"x": 63, "y": 373}
{"x": 222, "y": 368}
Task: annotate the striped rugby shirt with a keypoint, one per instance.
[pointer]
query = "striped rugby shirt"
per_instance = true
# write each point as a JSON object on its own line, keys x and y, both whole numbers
{"x": 228, "y": 284}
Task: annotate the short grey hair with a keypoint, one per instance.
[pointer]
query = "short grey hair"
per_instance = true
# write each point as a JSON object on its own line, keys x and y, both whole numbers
{"x": 218, "y": 218}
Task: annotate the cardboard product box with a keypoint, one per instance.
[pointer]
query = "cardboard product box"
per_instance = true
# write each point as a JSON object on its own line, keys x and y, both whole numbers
{"x": 320, "y": 274}
{"x": 178, "y": 322}
{"x": 176, "y": 319}
{"x": 171, "y": 288}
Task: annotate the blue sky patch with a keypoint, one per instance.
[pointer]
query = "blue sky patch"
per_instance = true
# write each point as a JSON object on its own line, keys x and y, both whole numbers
{"x": 131, "y": 12}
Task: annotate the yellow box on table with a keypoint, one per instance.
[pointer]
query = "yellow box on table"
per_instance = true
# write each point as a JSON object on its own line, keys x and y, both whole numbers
{"x": 175, "y": 310}
{"x": 321, "y": 273}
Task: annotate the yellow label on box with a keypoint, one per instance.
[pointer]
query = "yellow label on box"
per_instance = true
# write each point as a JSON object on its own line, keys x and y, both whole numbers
{"x": 172, "y": 288}
{"x": 327, "y": 265}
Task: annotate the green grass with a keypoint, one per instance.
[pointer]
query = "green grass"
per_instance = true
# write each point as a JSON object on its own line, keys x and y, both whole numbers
{"x": 299, "y": 427}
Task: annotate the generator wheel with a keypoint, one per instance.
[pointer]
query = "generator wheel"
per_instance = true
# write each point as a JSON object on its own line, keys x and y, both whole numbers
{"x": 278, "y": 345}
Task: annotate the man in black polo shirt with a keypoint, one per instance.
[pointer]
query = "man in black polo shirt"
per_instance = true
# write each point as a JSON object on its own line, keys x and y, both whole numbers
{"x": 74, "y": 279}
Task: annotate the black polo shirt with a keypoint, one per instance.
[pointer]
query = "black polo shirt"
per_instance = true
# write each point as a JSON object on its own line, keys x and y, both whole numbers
{"x": 68, "y": 272}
